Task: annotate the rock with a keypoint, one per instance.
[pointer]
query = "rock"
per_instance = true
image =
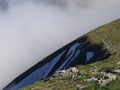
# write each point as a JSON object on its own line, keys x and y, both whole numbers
{"x": 82, "y": 72}
{"x": 74, "y": 76}
{"x": 111, "y": 76}
{"x": 102, "y": 72}
{"x": 62, "y": 73}
{"x": 66, "y": 82}
{"x": 79, "y": 87}
{"x": 91, "y": 79}
{"x": 72, "y": 71}
{"x": 118, "y": 63}
{"x": 94, "y": 71}
{"x": 116, "y": 71}
{"x": 103, "y": 81}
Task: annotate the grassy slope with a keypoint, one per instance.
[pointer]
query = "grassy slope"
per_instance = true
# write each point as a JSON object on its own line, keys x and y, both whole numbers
{"x": 107, "y": 35}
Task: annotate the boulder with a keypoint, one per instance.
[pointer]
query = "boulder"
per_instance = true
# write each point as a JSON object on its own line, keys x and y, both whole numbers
{"x": 116, "y": 71}
{"x": 103, "y": 81}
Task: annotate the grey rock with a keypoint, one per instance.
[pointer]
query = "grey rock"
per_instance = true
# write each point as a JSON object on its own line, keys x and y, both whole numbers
{"x": 116, "y": 71}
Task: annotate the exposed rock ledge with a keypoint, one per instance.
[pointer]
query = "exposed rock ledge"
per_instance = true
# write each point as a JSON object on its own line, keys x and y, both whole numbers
{"x": 103, "y": 80}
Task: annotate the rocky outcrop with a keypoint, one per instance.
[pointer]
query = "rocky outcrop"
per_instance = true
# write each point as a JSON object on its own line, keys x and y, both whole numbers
{"x": 90, "y": 79}
{"x": 116, "y": 71}
{"x": 106, "y": 79}
{"x": 72, "y": 71}
{"x": 103, "y": 80}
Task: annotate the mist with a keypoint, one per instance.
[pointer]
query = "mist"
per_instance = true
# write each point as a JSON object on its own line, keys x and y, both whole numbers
{"x": 30, "y": 30}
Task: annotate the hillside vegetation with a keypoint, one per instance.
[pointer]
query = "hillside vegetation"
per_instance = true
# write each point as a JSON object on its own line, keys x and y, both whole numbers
{"x": 109, "y": 37}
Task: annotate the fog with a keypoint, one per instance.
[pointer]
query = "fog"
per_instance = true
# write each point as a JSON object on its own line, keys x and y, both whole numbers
{"x": 30, "y": 30}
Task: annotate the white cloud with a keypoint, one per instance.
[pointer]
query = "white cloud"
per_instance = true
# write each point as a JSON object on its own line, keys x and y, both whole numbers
{"x": 31, "y": 31}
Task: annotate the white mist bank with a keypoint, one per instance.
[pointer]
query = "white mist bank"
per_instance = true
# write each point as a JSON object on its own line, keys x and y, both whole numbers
{"x": 30, "y": 31}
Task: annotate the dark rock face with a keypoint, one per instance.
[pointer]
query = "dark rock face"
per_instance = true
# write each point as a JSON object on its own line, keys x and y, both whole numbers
{"x": 78, "y": 52}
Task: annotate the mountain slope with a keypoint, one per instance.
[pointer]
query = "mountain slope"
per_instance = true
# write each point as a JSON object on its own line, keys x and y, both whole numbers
{"x": 101, "y": 44}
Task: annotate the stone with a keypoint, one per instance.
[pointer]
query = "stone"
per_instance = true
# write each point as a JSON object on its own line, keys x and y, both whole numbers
{"x": 82, "y": 72}
{"x": 116, "y": 71}
{"x": 91, "y": 79}
{"x": 79, "y": 87}
{"x": 94, "y": 71}
{"x": 111, "y": 76}
{"x": 74, "y": 69}
{"x": 103, "y": 81}
{"x": 118, "y": 63}
{"x": 68, "y": 72}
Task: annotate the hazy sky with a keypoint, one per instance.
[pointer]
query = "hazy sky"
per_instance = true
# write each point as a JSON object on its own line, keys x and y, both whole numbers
{"x": 29, "y": 31}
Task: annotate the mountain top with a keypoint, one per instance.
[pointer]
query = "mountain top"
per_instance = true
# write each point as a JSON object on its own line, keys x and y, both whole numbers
{"x": 101, "y": 75}
{"x": 108, "y": 35}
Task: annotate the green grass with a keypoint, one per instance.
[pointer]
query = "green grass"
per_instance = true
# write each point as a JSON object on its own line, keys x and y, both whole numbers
{"x": 108, "y": 36}
{"x": 55, "y": 84}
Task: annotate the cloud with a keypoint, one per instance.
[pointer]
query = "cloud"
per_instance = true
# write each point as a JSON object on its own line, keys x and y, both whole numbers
{"x": 32, "y": 29}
